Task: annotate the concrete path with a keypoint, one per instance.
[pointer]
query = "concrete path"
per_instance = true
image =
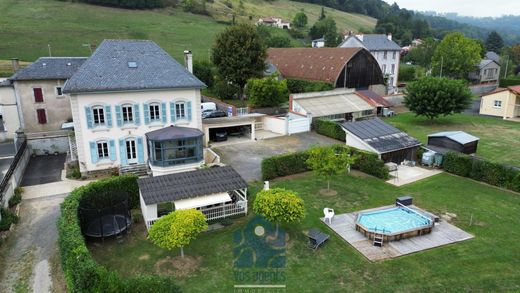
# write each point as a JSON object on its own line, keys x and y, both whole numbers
{"x": 28, "y": 263}
{"x": 247, "y": 157}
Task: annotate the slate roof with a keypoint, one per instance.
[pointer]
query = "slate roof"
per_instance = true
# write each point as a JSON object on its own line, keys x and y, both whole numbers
{"x": 381, "y": 136}
{"x": 173, "y": 132}
{"x": 377, "y": 42}
{"x": 314, "y": 64}
{"x": 50, "y": 68}
{"x": 457, "y": 136}
{"x": 485, "y": 62}
{"x": 493, "y": 56}
{"x": 191, "y": 184}
{"x": 121, "y": 65}
{"x": 373, "y": 98}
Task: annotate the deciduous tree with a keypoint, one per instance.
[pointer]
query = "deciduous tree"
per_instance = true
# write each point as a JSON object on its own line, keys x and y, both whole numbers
{"x": 300, "y": 19}
{"x": 279, "y": 206}
{"x": 327, "y": 162}
{"x": 434, "y": 96}
{"x": 266, "y": 92}
{"x": 456, "y": 56}
{"x": 177, "y": 229}
{"x": 239, "y": 54}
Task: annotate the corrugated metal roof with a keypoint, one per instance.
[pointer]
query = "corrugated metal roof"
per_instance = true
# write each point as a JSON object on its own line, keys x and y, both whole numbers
{"x": 202, "y": 182}
{"x": 374, "y": 98}
{"x": 458, "y": 136}
{"x": 381, "y": 136}
{"x": 333, "y": 102}
{"x": 108, "y": 69}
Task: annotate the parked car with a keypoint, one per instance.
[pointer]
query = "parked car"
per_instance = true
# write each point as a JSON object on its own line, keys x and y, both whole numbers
{"x": 205, "y": 113}
{"x": 208, "y": 106}
{"x": 216, "y": 114}
{"x": 236, "y": 131}
{"x": 388, "y": 113}
{"x": 219, "y": 135}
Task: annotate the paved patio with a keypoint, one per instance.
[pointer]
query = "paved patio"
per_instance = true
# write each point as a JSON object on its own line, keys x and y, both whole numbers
{"x": 443, "y": 233}
{"x": 406, "y": 175}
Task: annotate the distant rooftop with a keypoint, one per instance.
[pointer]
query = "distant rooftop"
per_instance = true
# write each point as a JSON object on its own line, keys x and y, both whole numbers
{"x": 50, "y": 68}
{"x": 457, "y": 136}
{"x": 120, "y": 65}
{"x": 376, "y": 42}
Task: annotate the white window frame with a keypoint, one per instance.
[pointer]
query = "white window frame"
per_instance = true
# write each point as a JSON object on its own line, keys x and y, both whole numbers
{"x": 497, "y": 104}
{"x": 100, "y": 116}
{"x": 385, "y": 55}
{"x": 57, "y": 92}
{"x": 393, "y": 68}
{"x": 384, "y": 68}
{"x": 104, "y": 152}
{"x": 156, "y": 116}
{"x": 177, "y": 108}
{"x": 127, "y": 114}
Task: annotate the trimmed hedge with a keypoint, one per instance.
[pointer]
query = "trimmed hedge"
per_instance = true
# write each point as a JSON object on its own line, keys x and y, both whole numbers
{"x": 481, "y": 170}
{"x": 294, "y": 163}
{"x": 330, "y": 128}
{"x": 297, "y": 86}
{"x": 509, "y": 82}
{"x": 82, "y": 273}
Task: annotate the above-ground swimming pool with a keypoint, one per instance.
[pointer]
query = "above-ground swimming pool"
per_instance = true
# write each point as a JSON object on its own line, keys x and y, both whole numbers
{"x": 394, "y": 223}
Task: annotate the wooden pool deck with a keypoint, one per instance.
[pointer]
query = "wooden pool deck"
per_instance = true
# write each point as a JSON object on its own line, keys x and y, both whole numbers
{"x": 443, "y": 233}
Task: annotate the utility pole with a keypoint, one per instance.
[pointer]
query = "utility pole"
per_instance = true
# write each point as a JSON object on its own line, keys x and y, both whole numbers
{"x": 507, "y": 64}
{"x": 49, "y": 46}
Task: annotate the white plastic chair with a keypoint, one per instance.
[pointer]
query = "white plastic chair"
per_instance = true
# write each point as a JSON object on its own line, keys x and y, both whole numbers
{"x": 329, "y": 214}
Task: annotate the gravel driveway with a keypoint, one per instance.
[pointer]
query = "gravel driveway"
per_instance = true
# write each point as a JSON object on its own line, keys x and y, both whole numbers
{"x": 246, "y": 157}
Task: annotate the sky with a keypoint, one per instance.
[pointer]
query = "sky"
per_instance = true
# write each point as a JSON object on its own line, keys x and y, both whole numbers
{"x": 477, "y": 8}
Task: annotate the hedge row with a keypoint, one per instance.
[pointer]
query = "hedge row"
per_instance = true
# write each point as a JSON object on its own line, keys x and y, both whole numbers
{"x": 294, "y": 163}
{"x": 82, "y": 273}
{"x": 509, "y": 82}
{"x": 329, "y": 128}
{"x": 303, "y": 86}
{"x": 481, "y": 170}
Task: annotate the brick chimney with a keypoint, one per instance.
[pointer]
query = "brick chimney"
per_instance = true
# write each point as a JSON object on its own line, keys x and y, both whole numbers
{"x": 188, "y": 60}
{"x": 360, "y": 37}
{"x": 16, "y": 64}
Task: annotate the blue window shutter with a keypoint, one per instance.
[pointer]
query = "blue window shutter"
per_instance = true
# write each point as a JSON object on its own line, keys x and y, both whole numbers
{"x": 172, "y": 111}
{"x": 88, "y": 113}
{"x": 93, "y": 152}
{"x": 112, "y": 150}
{"x": 146, "y": 114}
{"x": 137, "y": 115}
{"x": 108, "y": 116}
{"x": 119, "y": 117}
{"x": 188, "y": 109}
{"x": 163, "y": 113}
{"x": 140, "y": 150}
{"x": 122, "y": 152}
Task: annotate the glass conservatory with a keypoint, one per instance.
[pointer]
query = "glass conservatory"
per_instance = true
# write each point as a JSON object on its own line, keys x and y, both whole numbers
{"x": 174, "y": 146}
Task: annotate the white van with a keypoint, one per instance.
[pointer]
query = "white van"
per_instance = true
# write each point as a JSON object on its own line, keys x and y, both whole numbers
{"x": 208, "y": 106}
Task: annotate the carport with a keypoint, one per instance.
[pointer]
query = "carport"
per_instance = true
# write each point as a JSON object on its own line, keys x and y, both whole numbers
{"x": 252, "y": 122}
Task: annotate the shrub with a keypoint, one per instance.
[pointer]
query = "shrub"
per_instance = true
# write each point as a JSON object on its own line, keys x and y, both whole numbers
{"x": 294, "y": 163}
{"x": 266, "y": 92}
{"x": 329, "y": 128}
{"x": 279, "y": 205}
{"x": 481, "y": 170}
{"x": 17, "y": 197}
{"x": 8, "y": 218}
{"x": 82, "y": 273}
{"x": 509, "y": 82}
{"x": 302, "y": 86}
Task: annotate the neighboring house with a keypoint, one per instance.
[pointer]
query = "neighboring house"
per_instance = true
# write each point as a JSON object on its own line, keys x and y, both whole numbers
{"x": 340, "y": 67}
{"x": 486, "y": 72}
{"x": 388, "y": 142}
{"x": 217, "y": 192}
{"x": 458, "y": 141}
{"x": 503, "y": 102}
{"x": 385, "y": 51}
{"x": 338, "y": 105}
{"x": 134, "y": 106}
{"x": 274, "y": 22}
{"x": 318, "y": 43}
{"x": 43, "y": 106}
{"x": 375, "y": 100}
{"x": 9, "y": 118}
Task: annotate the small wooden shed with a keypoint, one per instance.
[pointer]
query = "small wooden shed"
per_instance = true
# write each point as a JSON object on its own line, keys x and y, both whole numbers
{"x": 458, "y": 141}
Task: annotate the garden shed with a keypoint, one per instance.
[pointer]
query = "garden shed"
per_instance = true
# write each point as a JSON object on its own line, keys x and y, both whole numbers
{"x": 217, "y": 192}
{"x": 458, "y": 141}
{"x": 377, "y": 136}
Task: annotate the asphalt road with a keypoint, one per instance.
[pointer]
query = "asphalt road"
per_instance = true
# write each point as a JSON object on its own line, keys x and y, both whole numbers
{"x": 43, "y": 169}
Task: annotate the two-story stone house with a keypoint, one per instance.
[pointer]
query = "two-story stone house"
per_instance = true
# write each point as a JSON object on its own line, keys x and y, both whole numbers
{"x": 133, "y": 104}
{"x": 384, "y": 49}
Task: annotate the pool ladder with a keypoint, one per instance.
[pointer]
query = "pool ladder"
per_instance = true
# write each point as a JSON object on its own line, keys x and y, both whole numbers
{"x": 378, "y": 239}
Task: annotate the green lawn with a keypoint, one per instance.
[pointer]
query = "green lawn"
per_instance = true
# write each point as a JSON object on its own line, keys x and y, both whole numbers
{"x": 499, "y": 139}
{"x": 487, "y": 263}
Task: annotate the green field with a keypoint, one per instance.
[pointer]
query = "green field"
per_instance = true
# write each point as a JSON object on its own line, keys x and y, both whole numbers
{"x": 486, "y": 263}
{"x": 499, "y": 139}
{"x": 27, "y": 27}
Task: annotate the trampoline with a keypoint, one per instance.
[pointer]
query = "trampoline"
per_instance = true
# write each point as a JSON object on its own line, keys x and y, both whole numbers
{"x": 105, "y": 215}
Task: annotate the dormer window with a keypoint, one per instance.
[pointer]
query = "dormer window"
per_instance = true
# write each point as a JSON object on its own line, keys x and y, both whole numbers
{"x": 132, "y": 64}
